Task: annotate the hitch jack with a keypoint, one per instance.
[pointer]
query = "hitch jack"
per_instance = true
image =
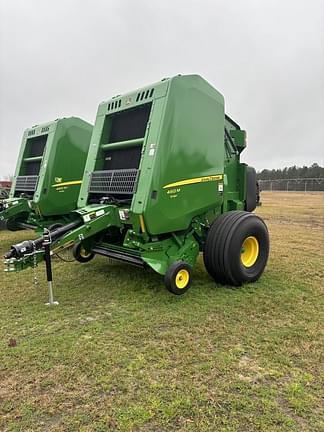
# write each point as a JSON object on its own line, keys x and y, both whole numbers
{"x": 48, "y": 261}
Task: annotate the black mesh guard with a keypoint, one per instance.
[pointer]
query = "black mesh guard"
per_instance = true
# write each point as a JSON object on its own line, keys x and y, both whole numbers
{"x": 26, "y": 183}
{"x": 114, "y": 182}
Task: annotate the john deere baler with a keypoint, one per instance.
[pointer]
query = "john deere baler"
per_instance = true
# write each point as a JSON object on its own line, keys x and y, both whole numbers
{"x": 163, "y": 181}
{"x": 48, "y": 175}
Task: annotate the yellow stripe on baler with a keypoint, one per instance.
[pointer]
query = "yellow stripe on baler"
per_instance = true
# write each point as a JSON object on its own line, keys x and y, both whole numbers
{"x": 194, "y": 181}
{"x": 69, "y": 183}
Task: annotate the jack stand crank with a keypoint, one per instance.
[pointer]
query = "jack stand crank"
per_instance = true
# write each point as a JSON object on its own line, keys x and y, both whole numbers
{"x": 47, "y": 248}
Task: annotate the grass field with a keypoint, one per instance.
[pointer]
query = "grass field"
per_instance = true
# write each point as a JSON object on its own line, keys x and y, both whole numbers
{"x": 122, "y": 354}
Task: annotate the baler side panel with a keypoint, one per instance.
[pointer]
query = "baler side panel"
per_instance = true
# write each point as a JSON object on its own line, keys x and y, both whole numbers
{"x": 64, "y": 168}
{"x": 190, "y": 146}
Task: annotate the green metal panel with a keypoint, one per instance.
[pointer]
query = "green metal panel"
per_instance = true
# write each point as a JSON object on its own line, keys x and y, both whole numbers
{"x": 61, "y": 169}
{"x": 62, "y": 164}
{"x": 189, "y": 157}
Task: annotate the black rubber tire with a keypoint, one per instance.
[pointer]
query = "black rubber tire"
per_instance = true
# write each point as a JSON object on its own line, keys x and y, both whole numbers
{"x": 78, "y": 254}
{"x": 222, "y": 252}
{"x": 171, "y": 277}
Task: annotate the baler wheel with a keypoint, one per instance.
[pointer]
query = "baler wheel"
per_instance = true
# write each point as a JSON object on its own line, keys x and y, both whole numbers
{"x": 80, "y": 254}
{"x": 237, "y": 248}
{"x": 178, "y": 277}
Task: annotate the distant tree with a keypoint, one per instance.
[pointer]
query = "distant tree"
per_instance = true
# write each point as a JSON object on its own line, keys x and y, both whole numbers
{"x": 313, "y": 171}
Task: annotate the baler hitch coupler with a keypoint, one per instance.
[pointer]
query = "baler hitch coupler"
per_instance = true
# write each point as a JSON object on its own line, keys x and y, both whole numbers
{"x": 27, "y": 247}
{"x": 29, "y": 252}
{"x": 26, "y": 253}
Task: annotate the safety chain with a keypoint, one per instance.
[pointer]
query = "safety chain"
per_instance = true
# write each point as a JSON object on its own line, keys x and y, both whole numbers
{"x": 34, "y": 266}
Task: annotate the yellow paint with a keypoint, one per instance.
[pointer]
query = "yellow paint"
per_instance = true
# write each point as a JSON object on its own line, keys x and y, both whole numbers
{"x": 142, "y": 224}
{"x": 37, "y": 210}
{"x": 182, "y": 279}
{"x": 84, "y": 253}
{"x": 194, "y": 181}
{"x": 62, "y": 247}
{"x": 69, "y": 183}
{"x": 249, "y": 251}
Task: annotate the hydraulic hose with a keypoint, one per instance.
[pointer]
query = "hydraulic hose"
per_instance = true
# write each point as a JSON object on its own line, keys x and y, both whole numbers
{"x": 25, "y": 225}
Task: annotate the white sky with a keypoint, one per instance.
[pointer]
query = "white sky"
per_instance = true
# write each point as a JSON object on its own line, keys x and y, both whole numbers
{"x": 61, "y": 58}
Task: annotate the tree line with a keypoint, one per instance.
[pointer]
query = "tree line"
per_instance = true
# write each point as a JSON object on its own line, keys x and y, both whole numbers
{"x": 313, "y": 171}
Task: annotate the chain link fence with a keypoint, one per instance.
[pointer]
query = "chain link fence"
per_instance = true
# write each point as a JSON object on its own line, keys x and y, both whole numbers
{"x": 293, "y": 185}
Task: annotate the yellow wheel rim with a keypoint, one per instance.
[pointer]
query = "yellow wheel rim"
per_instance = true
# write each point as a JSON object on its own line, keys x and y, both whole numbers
{"x": 249, "y": 251}
{"x": 182, "y": 278}
{"x": 83, "y": 253}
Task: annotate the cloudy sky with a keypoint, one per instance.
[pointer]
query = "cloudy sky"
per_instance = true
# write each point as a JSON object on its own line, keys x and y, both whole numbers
{"x": 63, "y": 57}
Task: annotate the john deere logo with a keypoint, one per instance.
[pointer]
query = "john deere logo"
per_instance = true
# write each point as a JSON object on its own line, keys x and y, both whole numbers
{"x": 58, "y": 179}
